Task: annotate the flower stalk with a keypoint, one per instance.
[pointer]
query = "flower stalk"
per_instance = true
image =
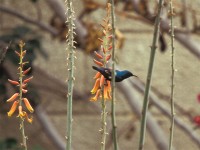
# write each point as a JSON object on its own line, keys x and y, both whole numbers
{"x": 17, "y": 98}
{"x": 148, "y": 80}
{"x": 114, "y": 124}
{"x": 102, "y": 87}
{"x": 70, "y": 58}
{"x": 172, "y": 77}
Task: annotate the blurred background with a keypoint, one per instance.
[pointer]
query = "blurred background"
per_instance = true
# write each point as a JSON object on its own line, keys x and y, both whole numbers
{"x": 41, "y": 25}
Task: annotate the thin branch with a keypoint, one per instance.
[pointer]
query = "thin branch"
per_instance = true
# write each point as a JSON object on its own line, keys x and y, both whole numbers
{"x": 114, "y": 124}
{"x": 156, "y": 101}
{"x": 135, "y": 104}
{"x": 192, "y": 45}
{"x": 172, "y": 79}
{"x": 27, "y": 19}
{"x": 58, "y": 7}
{"x": 148, "y": 80}
{"x": 70, "y": 58}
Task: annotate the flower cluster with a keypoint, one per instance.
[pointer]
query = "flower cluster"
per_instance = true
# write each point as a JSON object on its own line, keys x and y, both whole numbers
{"x": 103, "y": 57}
{"x": 17, "y": 98}
{"x": 197, "y": 118}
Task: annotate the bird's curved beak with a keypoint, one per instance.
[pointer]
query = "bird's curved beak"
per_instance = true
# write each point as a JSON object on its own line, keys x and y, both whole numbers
{"x": 134, "y": 76}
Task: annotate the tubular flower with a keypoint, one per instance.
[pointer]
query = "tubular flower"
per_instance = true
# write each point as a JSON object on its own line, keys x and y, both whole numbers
{"x": 12, "y": 98}
{"x": 17, "y": 98}
{"x": 98, "y": 74}
{"x": 21, "y": 112}
{"x": 28, "y": 105}
{"x": 101, "y": 60}
{"x": 102, "y": 79}
{"x": 96, "y": 86}
{"x": 96, "y": 96}
{"x": 13, "y": 108}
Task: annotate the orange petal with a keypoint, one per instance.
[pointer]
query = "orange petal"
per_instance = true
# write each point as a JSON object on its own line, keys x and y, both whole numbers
{"x": 13, "y": 82}
{"x": 109, "y": 95}
{"x": 21, "y": 113}
{"x": 30, "y": 120}
{"x": 24, "y": 91}
{"x": 98, "y": 55}
{"x": 12, "y": 98}
{"x": 102, "y": 80}
{"x": 108, "y": 92}
{"x": 108, "y": 57}
{"x": 98, "y": 74}
{"x": 13, "y": 108}
{"x": 110, "y": 36}
{"x": 100, "y": 40}
{"x": 26, "y": 71}
{"x": 28, "y": 105}
{"x": 110, "y": 47}
{"x": 24, "y": 85}
{"x": 98, "y": 62}
{"x": 96, "y": 96}
{"x": 96, "y": 86}
{"x": 109, "y": 86}
{"x": 27, "y": 80}
{"x": 105, "y": 92}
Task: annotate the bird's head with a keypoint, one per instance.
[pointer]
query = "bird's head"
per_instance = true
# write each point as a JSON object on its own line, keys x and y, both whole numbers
{"x": 129, "y": 74}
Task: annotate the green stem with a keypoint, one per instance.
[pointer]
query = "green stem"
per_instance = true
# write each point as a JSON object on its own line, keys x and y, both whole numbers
{"x": 114, "y": 124}
{"x": 103, "y": 120}
{"x": 148, "y": 80}
{"x": 172, "y": 80}
{"x": 71, "y": 48}
{"x": 20, "y": 96}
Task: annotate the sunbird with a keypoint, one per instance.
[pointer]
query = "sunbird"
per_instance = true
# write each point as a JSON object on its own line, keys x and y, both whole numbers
{"x": 119, "y": 75}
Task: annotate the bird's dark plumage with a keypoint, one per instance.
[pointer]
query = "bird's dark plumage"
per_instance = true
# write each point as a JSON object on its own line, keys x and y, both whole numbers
{"x": 119, "y": 75}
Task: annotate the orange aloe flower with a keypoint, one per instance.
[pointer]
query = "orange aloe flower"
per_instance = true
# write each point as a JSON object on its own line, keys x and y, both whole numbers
{"x": 21, "y": 112}
{"x": 12, "y": 98}
{"x": 96, "y": 86}
{"x": 28, "y": 105}
{"x": 13, "y": 108}
{"x": 101, "y": 60}
{"x": 17, "y": 97}
{"x": 96, "y": 96}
